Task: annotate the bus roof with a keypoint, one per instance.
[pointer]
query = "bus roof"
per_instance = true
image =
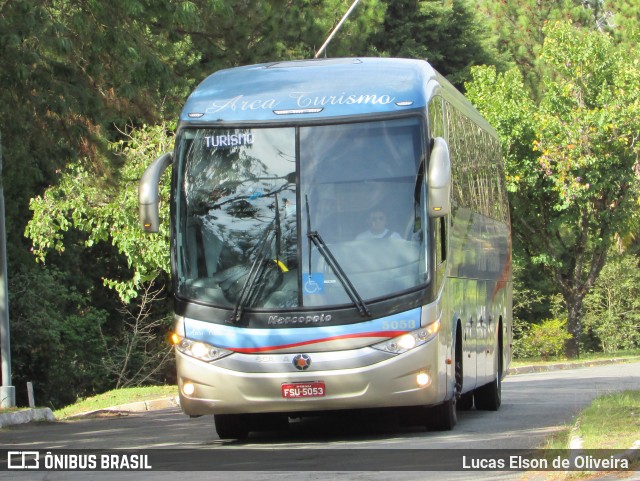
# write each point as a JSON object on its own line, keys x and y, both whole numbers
{"x": 311, "y": 89}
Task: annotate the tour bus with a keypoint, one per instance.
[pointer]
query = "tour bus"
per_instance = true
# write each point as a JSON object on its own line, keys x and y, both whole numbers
{"x": 340, "y": 240}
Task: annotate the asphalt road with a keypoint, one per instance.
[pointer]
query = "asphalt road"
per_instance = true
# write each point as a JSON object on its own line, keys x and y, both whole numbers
{"x": 534, "y": 407}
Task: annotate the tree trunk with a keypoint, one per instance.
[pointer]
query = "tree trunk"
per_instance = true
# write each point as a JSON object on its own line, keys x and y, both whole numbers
{"x": 574, "y": 325}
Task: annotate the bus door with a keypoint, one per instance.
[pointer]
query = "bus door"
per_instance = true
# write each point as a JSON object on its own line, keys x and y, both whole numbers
{"x": 484, "y": 335}
{"x": 469, "y": 318}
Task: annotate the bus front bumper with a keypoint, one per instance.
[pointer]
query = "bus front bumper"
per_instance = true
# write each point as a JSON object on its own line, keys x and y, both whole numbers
{"x": 409, "y": 379}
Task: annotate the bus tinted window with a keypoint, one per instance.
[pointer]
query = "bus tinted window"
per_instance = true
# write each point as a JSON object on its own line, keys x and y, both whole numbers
{"x": 239, "y": 242}
{"x": 359, "y": 181}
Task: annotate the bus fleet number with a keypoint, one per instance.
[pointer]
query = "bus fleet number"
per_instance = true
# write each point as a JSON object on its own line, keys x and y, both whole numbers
{"x": 401, "y": 324}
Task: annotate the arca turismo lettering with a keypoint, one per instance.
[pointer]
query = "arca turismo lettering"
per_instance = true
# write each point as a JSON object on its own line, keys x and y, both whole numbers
{"x": 306, "y": 99}
{"x": 240, "y": 102}
{"x": 302, "y": 100}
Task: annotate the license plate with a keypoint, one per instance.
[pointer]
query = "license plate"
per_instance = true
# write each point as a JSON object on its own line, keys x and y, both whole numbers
{"x": 303, "y": 389}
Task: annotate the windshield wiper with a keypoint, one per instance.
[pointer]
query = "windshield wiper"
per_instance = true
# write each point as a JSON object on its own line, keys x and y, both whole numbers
{"x": 255, "y": 274}
{"x": 315, "y": 238}
{"x": 250, "y": 289}
{"x": 259, "y": 265}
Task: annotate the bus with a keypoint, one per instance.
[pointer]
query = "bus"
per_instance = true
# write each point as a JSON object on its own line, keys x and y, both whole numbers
{"x": 340, "y": 240}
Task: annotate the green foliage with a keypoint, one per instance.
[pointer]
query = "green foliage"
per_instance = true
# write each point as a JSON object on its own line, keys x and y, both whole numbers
{"x": 447, "y": 34}
{"x": 68, "y": 71}
{"x": 612, "y": 308}
{"x": 72, "y": 75}
{"x": 626, "y": 21}
{"x": 544, "y": 340}
{"x": 570, "y": 157}
{"x": 108, "y": 214}
{"x": 532, "y": 292}
{"x": 519, "y": 28}
{"x": 55, "y": 338}
{"x": 253, "y": 32}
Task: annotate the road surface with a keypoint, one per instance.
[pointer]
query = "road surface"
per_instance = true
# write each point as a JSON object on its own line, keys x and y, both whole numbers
{"x": 534, "y": 407}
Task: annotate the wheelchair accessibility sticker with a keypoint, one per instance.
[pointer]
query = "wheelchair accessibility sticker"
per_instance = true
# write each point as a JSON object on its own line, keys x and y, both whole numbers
{"x": 313, "y": 283}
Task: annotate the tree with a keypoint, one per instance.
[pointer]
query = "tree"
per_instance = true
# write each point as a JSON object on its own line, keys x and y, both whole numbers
{"x": 519, "y": 28}
{"x": 612, "y": 308}
{"x": 73, "y": 76}
{"x": 222, "y": 34}
{"x": 571, "y": 158}
{"x": 108, "y": 214}
{"x": 141, "y": 352}
{"x": 625, "y": 22}
{"x": 55, "y": 338}
{"x": 447, "y": 34}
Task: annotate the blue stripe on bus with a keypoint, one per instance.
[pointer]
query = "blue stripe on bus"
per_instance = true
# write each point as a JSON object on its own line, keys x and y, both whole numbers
{"x": 256, "y": 340}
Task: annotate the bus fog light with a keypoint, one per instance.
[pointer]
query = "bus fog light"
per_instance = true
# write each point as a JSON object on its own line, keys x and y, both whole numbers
{"x": 423, "y": 379}
{"x": 188, "y": 389}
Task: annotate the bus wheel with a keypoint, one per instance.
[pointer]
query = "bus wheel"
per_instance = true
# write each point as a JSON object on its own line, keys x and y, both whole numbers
{"x": 232, "y": 426}
{"x": 489, "y": 396}
{"x": 465, "y": 403}
{"x": 442, "y": 417}
{"x": 445, "y": 416}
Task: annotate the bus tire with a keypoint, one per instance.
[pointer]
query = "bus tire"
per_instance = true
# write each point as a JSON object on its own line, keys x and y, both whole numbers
{"x": 442, "y": 417}
{"x": 489, "y": 396}
{"x": 465, "y": 403}
{"x": 232, "y": 426}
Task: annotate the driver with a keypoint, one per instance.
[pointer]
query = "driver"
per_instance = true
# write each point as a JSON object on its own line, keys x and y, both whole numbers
{"x": 377, "y": 222}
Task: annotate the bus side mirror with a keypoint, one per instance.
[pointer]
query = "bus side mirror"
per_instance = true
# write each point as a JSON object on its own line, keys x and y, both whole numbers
{"x": 439, "y": 181}
{"x": 148, "y": 193}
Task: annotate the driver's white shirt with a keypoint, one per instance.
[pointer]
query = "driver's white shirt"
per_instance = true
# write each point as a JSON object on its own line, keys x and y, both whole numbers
{"x": 370, "y": 235}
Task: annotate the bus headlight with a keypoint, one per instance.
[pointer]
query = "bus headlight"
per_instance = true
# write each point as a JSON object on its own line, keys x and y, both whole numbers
{"x": 199, "y": 350}
{"x": 410, "y": 340}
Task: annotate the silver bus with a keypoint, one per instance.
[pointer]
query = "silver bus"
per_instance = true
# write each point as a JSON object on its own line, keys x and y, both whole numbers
{"x": 340, "y": 240}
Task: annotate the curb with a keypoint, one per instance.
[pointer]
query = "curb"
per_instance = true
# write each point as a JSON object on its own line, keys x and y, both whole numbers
{"x": 566, "y": 365}
{"x": 45, "y": 414}
{"x": 136, "y": 407}
{"x": 26, "y": 416}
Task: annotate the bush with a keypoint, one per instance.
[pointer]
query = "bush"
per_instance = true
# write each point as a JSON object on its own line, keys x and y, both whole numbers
{"x": 543, "y": 340}
{"x": 612, "y": 308}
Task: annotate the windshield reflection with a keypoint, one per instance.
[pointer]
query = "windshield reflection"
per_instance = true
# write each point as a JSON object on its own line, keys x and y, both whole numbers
{"x": 241, "y": 239}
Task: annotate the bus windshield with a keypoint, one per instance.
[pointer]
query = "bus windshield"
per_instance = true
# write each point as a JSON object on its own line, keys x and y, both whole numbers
{"x": 251, "y": 200}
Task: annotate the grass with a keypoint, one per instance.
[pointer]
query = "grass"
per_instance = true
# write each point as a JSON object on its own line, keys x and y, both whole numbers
{"x": 611, "y": 421}
{"x": 10, "y": 410}
{"x": 589, "y": 356}
{"x": 116, "y": 398}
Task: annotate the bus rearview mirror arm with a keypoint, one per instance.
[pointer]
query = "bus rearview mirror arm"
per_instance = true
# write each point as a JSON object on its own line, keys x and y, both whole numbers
{"x": 439, "y": 180}
{"x": 148, "y": 193}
